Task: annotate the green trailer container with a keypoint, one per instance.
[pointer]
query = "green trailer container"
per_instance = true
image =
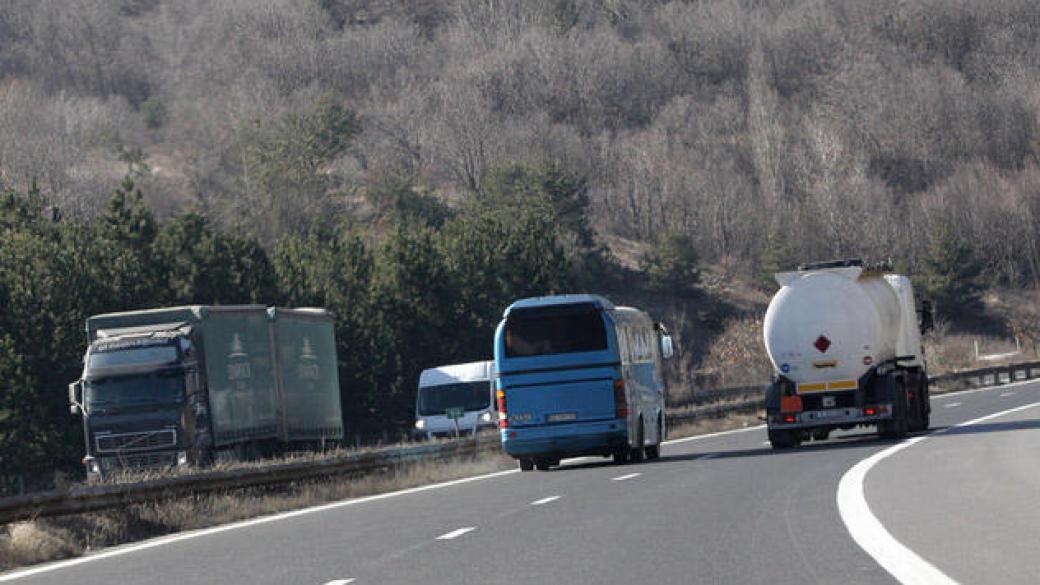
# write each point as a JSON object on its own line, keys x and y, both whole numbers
{"x": 307, "y": 374}
{"x": 176, "y": 385}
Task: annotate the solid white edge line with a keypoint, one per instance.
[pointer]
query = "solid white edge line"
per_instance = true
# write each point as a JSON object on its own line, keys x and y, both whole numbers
{"x": 545, "y": 500}
{"x": 713, "y": 435}
{"x": 903, "y": 564}
{"x": 119, "y": 551}
{"x": 456, "y": 533}
{"x": 129, "y": 548}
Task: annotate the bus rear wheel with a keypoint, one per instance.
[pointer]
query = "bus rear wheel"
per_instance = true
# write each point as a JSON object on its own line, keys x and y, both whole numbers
{"x": 621, "y": 455}
{"x": 654, "y": 451}
{"x": 638, "y": 452}
{"x": 543, "y": 464}
{"x": 525, "y": 464}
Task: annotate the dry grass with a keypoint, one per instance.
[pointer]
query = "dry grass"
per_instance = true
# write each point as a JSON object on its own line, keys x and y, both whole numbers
{"x": 730, "y": 421}
{"x": 49, "y": 539}
{"x": 738, "y": 356}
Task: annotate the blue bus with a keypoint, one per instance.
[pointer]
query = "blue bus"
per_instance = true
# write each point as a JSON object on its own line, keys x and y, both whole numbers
{"x": 579, "y": 376}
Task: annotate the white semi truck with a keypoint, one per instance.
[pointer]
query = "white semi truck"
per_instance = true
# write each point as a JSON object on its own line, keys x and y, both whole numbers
{"x": 845, "y": 343}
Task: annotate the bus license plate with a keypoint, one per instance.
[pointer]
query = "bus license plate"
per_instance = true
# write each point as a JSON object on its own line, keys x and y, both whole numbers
{"x": 561, "y": 417}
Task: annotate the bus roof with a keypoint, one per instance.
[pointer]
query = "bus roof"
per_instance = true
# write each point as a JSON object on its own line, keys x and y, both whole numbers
{"x": 556, "y": 300}
{"x": 453, "y": 373}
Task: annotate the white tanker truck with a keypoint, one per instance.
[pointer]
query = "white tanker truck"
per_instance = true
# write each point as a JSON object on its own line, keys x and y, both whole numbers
{"x": 845, "y": 342}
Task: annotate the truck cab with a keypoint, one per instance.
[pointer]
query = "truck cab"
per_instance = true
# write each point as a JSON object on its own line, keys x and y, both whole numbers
{"x": 136, "y": 398}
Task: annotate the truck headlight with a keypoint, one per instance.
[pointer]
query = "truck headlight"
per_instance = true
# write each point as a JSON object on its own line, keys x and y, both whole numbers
{"x": 420, "y": 424}
{"x": 486, "y": 417}
{"x": 92, "y": 465}
{"x": 182, "y": 458}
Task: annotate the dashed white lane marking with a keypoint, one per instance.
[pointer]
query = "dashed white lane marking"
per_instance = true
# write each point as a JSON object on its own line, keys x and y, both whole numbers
{"x": 116, "y": 552}
{"x": 456, "y": 533}
{"x": 624, "y": 477}
{"x": 708, "y": 456}
{"x": 902, "y": 563}
{"x": 952, "y": 405}
{"x": 545, "y": 500}
{"x": 341, "y": 582}
{"x": 161, "y": 541}
{"x": 1006, "y": 394}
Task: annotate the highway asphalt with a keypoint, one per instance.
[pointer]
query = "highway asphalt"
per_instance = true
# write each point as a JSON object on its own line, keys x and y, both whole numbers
{"x": 717, "y": 509}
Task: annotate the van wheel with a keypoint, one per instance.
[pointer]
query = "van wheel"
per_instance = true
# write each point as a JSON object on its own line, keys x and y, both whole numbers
{"x": 638, "y": 453}
{"x": 525, "y": 464}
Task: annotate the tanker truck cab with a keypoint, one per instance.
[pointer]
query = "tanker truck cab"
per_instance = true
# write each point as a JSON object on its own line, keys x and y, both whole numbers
{"x": 845, "y": 344}
{"x": 579, "y": 376}
{"x": 454, "y": 398}
{"x": 133, "y": 396}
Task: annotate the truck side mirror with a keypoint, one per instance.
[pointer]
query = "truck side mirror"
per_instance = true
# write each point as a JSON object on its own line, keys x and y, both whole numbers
{"x": 75, "y": 397}
{"x": 667, "y": 347}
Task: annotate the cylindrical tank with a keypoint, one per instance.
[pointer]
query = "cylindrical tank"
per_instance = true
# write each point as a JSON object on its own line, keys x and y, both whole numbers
{"x": 833, "y": 324}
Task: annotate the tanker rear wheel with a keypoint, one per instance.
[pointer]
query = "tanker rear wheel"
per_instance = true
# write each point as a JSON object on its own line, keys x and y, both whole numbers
{"x": 897, "y": 426}
{"x": 781, "y": 439}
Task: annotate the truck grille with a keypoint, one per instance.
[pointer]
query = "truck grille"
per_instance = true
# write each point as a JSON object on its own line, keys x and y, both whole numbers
{"x": 130, "y": 442}
{"x": 147, "y": 460}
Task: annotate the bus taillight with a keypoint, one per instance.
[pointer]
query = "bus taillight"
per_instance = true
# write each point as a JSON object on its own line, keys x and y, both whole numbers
{"x": 500, "y": 401}
{"x": 620, "y": 401}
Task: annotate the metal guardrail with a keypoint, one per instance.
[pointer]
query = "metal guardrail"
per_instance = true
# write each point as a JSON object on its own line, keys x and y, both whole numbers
{"x": 702, "y": 405}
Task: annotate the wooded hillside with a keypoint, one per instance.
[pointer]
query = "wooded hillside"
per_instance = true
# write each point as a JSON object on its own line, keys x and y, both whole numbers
{"x": 765, "y": 130}
{"x": 414, "y": 165}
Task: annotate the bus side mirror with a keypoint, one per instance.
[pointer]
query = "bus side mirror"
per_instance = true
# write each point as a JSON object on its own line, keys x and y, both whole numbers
{"x": 667, "y": 347}
{"x": 75, "y": 397}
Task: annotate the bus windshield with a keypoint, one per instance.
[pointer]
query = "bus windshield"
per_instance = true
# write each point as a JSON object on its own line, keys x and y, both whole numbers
{"x": 434, "y": 400}
{"x": 546, "y": 332}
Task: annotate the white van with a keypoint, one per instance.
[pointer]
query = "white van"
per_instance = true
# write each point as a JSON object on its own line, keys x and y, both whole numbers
{"x": 459, "y": 386}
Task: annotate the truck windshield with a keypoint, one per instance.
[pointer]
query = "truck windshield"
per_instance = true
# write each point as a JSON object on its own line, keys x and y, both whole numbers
{"x": 158, "y": 354}
{"x": 434, "y": 400}
{"x": 127, "y": 391}
{"x": 547, "y": 332}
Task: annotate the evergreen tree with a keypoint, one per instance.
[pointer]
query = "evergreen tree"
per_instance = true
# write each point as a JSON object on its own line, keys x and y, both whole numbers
{"x": 778, "y": 256}
{"x": 671, "y": 265}
{"x": 950, "y": 271}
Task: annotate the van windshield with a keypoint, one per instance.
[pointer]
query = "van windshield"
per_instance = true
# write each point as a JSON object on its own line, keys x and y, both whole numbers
{"x": 434, "y": 400}
{"x": 555, "y": 330}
